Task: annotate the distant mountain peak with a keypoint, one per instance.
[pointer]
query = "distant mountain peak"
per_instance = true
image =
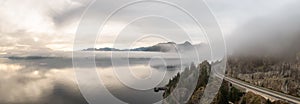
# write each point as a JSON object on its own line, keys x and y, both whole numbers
{"x": 160, "y": 47}
{"x": 187, "y": 43}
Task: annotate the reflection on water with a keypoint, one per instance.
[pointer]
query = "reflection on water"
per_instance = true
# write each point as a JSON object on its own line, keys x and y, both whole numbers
{"x": 9, "y": 67}
{"x": 24, "y": 81}
{"x": 53, "y": 81}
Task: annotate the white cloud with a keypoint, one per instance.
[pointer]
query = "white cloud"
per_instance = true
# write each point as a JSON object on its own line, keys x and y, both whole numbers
{"x": 30, "y": 25}
{"x": 43, "y": 25}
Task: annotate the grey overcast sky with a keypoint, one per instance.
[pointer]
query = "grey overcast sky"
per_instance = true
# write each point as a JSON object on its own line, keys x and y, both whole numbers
{"x": 48, "y": 25}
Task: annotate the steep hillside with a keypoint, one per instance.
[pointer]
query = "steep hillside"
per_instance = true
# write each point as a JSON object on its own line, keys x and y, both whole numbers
{"x": 227, "y": 92}
{"x": 272, "y": 73}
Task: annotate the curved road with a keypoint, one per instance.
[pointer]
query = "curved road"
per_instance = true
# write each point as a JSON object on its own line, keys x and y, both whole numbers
{"x": 272, "y": 93}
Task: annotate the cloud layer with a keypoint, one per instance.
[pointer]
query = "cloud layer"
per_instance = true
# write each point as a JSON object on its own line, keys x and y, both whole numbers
{"x": 41, "y": 26}
{"x": 273, "y": 34}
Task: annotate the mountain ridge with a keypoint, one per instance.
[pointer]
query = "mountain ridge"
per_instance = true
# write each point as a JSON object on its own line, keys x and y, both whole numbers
{"x": 160, "y": 47}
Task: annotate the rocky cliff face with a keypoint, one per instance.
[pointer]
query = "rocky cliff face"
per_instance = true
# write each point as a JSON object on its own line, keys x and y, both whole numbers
{"x": 275, "y": 74}
{"x": 183, "y": 84}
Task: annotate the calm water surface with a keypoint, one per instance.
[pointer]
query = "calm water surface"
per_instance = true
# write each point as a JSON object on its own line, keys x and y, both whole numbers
{"x": 53, "y": 80}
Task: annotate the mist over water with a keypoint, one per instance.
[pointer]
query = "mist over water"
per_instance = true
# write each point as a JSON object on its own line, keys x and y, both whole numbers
{"x": 53, "y": 80}
{"x": 38, "y": 81}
